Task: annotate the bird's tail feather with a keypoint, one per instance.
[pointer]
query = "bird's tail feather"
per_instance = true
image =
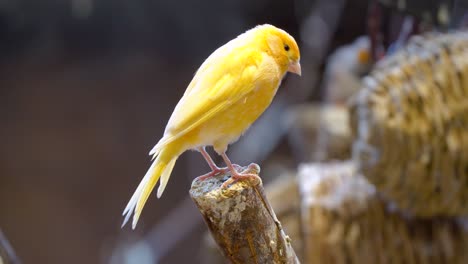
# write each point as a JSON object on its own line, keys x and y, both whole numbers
{"x": 166, "y": 174}
{"x": 159, "y": 169}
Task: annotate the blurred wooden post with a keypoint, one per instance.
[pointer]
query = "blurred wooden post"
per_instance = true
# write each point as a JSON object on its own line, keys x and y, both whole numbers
{"x": 242, "y": 221}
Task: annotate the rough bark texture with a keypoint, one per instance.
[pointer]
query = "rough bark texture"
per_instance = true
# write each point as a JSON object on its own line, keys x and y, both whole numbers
{"x": 283, "y": 194}
{"x": 411, "y": 126}
{"x": 344, "y": 221}
{"x": 242, "y": 221}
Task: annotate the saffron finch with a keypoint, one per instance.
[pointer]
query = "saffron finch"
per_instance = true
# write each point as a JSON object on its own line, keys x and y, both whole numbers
{"x": 230, "y": 90}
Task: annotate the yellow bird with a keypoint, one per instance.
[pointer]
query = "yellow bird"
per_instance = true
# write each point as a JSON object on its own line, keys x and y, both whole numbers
{"x": 230, "y": 90}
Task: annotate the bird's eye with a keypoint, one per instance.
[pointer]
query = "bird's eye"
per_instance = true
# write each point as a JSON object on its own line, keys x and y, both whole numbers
{"x": 286, "y": 47}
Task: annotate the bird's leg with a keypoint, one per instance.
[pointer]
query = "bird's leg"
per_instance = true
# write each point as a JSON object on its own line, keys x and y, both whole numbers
{"x": 235, "y": 175}
{"x": 208, "y": 159}
{"x": 215, "y": 170}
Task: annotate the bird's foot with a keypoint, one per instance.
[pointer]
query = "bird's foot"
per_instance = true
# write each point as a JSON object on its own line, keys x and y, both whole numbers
{"x": 237, "y": 167}
{"x": 216, "y": 171}
{"x": 244, "y": 175}
{"x": 212, "y": 173}
{"x": 241, "y": 176}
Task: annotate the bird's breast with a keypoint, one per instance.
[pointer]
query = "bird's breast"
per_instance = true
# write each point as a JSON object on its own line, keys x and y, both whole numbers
{"x": 228, "y": 125}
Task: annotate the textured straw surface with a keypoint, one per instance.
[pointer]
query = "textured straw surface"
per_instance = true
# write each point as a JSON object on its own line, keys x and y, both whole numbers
{"x": 411, "y": 124}
{"x": 344, "y": 221}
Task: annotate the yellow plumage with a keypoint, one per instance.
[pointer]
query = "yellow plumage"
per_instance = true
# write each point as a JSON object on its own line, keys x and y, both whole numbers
{"x": 230, "y": 90}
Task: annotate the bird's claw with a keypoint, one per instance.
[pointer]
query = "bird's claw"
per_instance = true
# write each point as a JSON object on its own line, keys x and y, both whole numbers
{"x": 217, "y": 171}
{"x": 212, "y": 173}
{"x": 241, "y": 176}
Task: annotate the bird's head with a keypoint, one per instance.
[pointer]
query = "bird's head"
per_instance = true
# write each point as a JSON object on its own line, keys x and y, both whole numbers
{"x": 282, "y": 47}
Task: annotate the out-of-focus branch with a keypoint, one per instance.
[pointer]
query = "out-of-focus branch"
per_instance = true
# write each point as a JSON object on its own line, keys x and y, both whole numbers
{"x": 7, "y": 254}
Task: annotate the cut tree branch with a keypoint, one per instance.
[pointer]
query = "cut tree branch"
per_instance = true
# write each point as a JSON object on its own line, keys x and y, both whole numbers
{"x": 242, "y": 221}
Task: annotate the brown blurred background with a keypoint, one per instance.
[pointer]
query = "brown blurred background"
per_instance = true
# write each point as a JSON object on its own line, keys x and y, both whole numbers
{"x": 86, "y": 88}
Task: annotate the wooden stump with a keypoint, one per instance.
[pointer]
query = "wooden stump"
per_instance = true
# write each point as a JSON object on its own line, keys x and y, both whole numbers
{"x": 242, "y": 221}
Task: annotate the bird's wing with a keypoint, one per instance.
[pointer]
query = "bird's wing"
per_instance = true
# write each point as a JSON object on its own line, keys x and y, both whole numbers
{"x": 221, "y": 81}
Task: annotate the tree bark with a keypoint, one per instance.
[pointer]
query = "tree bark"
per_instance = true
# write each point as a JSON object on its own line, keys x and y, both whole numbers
{"x": 242, "y": 221}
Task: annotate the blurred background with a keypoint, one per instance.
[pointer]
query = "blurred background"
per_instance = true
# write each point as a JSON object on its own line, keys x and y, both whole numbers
{"x": 87, "y": 86}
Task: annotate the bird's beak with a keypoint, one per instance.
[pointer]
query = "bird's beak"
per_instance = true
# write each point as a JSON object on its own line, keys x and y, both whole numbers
{"x": 295, "y": 67}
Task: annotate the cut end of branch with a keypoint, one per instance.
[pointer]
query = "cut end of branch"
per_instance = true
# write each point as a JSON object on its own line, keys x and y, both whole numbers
{"x": 210, "y": 188}
{"x": 241, "y": 220}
